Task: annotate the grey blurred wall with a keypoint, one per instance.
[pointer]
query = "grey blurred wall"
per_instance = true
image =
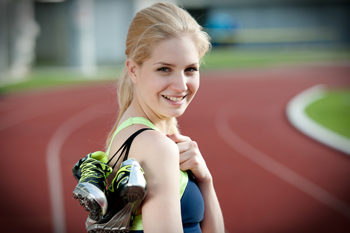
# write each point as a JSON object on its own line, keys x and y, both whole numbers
{"x": 111, "y": 26}
{"x": 58, "y": 41}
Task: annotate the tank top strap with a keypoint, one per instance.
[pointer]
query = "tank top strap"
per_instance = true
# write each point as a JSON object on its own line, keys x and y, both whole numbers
{"x": 183, "y": 182}
{"x": 129, "y": 122}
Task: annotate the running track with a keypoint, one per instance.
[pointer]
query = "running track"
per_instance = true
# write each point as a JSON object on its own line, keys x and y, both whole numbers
{"x": 268, "y": 176}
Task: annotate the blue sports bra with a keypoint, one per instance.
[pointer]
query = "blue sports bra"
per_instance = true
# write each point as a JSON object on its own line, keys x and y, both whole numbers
{"x": 192, "y": 203}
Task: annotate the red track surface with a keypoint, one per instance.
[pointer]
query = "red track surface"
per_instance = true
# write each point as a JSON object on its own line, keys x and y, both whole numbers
{"x": 268, "y": 176}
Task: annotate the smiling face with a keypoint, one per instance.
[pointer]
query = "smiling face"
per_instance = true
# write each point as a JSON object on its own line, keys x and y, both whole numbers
{"x": 166, "y": 83}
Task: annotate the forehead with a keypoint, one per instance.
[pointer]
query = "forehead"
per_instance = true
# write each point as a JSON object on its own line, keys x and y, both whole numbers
{"x": 175, "y": 51}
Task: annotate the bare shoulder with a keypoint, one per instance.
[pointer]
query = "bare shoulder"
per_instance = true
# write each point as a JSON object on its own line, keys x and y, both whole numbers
{"x": 153, "y": 147}
{"x": 159, "y": 158}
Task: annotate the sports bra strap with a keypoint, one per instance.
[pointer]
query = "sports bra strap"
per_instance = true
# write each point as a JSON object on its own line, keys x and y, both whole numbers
{"x": 126, "y": 147}
{"x": 131, "y": 121}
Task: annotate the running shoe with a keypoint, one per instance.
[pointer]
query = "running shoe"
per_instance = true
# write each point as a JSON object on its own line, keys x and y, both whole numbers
{"x": 91, "y": 172}
{"x": 125, "y": 194}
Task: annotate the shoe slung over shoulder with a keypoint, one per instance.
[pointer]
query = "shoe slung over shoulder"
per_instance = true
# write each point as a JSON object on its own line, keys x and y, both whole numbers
{"x": 91, "y": 172}
{"x": 124, "y": 195}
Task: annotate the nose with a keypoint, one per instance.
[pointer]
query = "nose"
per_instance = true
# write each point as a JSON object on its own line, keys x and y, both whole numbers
{"x": 179, "y": 83}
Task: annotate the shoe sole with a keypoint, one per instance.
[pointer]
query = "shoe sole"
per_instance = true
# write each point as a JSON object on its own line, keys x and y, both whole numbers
{"x": 120, "y": 222}
{"x": 92, "y": 198}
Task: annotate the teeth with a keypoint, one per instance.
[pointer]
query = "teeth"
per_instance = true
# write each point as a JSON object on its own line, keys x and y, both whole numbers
{"x": 173, "y": 98}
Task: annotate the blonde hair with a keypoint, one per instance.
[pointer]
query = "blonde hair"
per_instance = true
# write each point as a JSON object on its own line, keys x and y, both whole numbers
{"x": 151, "y": 25}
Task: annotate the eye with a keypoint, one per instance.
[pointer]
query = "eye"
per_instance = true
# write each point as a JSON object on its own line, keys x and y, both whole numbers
{"x": 191, "y": 69}
{"x": 164, "y": 69}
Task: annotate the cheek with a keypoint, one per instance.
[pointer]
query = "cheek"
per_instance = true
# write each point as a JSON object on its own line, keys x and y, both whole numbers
{"x": 147, "y": 81}
{"x": 193, "y": 85}
{"x": 160, "y": 83}
{"x": 153, "y": 86}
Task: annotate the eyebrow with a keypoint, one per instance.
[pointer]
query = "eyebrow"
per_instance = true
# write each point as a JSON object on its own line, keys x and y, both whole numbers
{"x": 172, "y": 65}
{"x": 164, "y": 63}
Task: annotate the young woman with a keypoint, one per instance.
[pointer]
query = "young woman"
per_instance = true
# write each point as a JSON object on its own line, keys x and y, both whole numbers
{"x": 164, "y": 47}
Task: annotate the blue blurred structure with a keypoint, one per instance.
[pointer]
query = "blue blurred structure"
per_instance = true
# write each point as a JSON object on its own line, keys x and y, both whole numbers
{"x": 222, "y": 26}
{"x": 254, "y": 23}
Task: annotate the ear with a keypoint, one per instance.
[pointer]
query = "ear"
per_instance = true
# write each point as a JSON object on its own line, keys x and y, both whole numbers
{"x": 132, "y": 70}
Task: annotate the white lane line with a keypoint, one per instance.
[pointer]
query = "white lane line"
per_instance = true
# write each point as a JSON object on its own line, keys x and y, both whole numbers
{"x": 273, "y": 166}
{"x": 299, "y": 119}
{"x": 53, "y": 162}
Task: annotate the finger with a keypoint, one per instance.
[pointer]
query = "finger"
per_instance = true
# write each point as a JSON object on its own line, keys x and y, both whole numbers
{"x": 183, "y": 147}
{"x": 190, "y": 163}
{"x": 188, "y": 145}
{"x": 178, "y": 138}
{"x": 185, "y": 166}
{"x": 188, "y": 153}
{"x": 188, "y": 149}
{"x": 185, "y": 162}
{"x": 185, "y": 156}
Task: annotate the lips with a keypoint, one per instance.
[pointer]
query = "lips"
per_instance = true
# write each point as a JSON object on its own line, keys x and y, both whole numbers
{"x": 173, "y": 98}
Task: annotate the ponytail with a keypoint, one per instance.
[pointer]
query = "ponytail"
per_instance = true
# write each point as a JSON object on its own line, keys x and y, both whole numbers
{"x": 125, "y": 95}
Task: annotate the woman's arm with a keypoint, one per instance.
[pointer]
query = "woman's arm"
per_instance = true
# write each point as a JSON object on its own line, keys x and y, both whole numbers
{"x": 191, "y": 159}
{"x": 213, "y": 220}
{"x": 161, "y": 210}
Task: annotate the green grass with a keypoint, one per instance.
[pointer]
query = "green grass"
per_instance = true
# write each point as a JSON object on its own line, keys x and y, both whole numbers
{"x": 231, "y": 58}
{"x": 48, "y": 78}
{"x": 333, "y": 111}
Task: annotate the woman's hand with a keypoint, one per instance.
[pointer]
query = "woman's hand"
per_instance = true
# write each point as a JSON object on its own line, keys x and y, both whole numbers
{"x": 191, "y": 158}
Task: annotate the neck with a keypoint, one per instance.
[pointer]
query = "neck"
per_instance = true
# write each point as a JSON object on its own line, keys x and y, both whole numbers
{"x": 164, "y": 124}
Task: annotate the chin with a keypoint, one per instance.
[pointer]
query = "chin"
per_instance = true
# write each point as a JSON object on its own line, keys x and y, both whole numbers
{"x": 175, "y": 113}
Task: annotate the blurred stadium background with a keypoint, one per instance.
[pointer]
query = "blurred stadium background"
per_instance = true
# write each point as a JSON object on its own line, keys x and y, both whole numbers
{"x": 85, "y": 38}
{"x": 63, "y": 42}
